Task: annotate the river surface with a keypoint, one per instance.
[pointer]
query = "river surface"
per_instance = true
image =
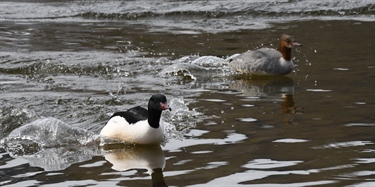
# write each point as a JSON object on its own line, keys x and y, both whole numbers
{"x": 66, "y": 66}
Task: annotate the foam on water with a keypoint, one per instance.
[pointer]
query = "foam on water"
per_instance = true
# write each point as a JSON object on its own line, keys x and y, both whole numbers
{"x": 51, "y": 144}
{"x": 179, "y": 120}
{"x": 50, "y": 132}
{"x": 194, "y": 67}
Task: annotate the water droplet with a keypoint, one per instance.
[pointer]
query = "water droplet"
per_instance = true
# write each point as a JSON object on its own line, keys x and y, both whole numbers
{"x": 247, "y": 119}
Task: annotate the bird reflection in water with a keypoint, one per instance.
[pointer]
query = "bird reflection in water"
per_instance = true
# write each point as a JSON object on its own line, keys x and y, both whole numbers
{"x": 138, "y": 157}
{"x": 270, "y": 88}
{"x": 288, "y": 105}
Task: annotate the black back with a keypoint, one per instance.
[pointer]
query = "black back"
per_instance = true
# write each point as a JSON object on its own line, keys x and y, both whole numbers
{"x": 133, "y": 115}
{"x": 152, "y": 115}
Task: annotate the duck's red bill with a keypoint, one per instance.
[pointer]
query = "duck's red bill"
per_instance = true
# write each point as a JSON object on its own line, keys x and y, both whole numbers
{"x": 296, "y": 44}
{"x": 164, "y": 106}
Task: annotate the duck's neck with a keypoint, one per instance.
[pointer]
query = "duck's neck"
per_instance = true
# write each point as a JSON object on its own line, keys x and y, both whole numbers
{"x": 286, "y": 52}
{"x": 157, "y": 177}
{"x": 154, "y": 118}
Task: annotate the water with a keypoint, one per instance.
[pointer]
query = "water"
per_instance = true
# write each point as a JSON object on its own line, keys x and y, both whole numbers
{"x": 74, "y": 63}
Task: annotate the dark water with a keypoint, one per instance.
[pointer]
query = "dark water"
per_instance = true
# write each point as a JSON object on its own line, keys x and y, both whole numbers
{"x": 66, "y": 66}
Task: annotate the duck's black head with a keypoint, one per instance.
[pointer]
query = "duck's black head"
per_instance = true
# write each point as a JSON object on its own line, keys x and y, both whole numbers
{"x": 158, "y": 102}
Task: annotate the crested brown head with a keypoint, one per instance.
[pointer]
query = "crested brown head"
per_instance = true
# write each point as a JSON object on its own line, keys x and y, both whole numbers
{"x": 286, "y": 44}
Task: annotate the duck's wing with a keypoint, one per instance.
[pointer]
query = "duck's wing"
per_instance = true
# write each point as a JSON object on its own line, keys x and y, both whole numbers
{"x": 133, "y": 115}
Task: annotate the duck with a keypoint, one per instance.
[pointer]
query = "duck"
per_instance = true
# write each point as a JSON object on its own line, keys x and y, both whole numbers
{"x": 267, "y": 61}
{"x": 138, "y": 125}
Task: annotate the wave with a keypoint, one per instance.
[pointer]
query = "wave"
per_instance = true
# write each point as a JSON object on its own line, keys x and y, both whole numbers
{"x": 183, "y": 16}
{"x": 200, "y": 10}
{"x": 137, "y": 10}
{"x": 38, "y": 65}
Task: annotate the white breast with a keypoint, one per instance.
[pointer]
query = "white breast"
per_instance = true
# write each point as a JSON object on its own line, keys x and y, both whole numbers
{"x": 139, "y": 133}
